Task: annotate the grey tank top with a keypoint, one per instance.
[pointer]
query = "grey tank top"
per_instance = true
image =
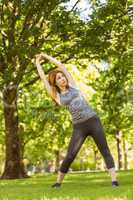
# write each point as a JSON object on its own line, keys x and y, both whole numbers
{"x": 74, "y": 101}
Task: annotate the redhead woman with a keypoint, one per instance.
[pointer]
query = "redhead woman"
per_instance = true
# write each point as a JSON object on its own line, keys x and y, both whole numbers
{"x": 61, "y": 86}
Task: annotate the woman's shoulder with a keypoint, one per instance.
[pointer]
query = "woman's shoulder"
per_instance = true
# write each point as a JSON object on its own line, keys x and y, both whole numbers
{"x": 73, "y": 87}
{"x": 78, "y": 90}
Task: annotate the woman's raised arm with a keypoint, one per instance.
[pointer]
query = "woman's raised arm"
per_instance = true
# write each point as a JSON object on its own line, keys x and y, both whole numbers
{"x": 62, "y": 67}
{"x": 41, "y": 73}
{"x": 44, "y": 78}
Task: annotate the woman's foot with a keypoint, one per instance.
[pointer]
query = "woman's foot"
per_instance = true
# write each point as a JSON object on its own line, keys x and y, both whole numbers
{"x": 115, "y": 183}
{"x": 56, "y": 185}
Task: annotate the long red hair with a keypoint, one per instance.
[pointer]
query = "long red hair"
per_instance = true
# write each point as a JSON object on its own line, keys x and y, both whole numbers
{"x": 52, "y": 81}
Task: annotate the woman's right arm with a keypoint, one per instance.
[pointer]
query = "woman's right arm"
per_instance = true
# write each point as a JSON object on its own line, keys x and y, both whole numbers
{"x": 44, "y": 79}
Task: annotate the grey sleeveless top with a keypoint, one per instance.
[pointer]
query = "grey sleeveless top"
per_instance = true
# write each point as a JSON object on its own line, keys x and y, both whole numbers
{"x": 74, "y": 101}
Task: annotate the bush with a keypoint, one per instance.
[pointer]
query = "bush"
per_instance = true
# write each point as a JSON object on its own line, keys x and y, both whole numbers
{"x": 81, "y": 166}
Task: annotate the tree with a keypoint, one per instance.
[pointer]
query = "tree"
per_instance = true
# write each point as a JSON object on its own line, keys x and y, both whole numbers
{"x": 111, "y": 40}
{"x": 22, "y": 35}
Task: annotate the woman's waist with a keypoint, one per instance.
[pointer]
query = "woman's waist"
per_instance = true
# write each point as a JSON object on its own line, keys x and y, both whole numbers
{"x": 83, "y": 121}
{"x": 80, "y": 108}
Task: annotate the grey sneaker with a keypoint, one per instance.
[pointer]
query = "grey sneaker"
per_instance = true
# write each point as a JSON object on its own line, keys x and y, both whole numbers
{"x": 56, "y": 185}
{"x": 115, "y": 183}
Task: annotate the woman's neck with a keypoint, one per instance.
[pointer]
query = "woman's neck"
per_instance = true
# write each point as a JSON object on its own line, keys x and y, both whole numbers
{"x": 63, "y": 89}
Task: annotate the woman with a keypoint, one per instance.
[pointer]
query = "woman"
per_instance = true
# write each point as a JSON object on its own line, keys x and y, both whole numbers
{"x": 64, "y": 91}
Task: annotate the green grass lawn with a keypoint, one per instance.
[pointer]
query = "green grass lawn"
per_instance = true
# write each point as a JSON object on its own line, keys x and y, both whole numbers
{"x": 82, "y": 186}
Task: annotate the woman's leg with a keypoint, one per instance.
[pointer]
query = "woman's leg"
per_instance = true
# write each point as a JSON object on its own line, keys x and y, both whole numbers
{"x": 101, "y": 142}
{"x": 75, "y": 144}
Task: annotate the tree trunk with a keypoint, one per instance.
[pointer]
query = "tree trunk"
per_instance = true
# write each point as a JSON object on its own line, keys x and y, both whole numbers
{"x": 13, "y": 162}
{"x": 57, "y": 157}
{"x": 119, "y": 146}
{"x": 125, "y": 153}
{"x": 96, "y": 158}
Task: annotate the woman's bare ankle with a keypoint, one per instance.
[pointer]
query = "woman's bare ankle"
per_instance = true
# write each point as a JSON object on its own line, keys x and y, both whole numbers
{"x": 60, "y": 177}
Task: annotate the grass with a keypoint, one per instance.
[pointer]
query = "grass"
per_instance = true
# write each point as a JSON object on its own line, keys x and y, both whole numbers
{"x": 85, "y": 186}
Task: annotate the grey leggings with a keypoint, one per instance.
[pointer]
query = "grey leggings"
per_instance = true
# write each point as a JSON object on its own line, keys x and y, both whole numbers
{"x": 93, "y": 128}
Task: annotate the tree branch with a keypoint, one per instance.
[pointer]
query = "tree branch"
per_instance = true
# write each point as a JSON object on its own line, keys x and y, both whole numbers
{"x": 31, "y": 82}
{"x": 75, "y": 5}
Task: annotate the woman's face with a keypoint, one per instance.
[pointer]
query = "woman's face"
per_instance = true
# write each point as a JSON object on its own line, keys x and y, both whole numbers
{"x": 61, "y": 80}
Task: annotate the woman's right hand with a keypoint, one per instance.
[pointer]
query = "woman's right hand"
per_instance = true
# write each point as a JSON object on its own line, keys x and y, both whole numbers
{"x": 39, "y": 58}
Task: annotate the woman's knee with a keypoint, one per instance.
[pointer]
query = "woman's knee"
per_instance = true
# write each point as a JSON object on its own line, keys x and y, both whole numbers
{"x": 70, "y": 157}
{"x": 106, "y": 152}
{"x": 108, "y": 158}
